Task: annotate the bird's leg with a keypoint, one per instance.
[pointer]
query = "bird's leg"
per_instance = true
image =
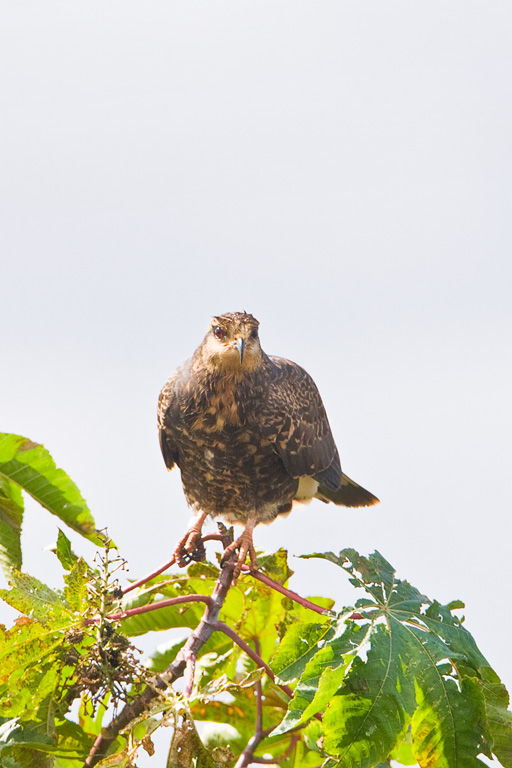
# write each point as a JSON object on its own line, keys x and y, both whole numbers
{"x": 244, "y": 545}
{"x": 190, "y": 546}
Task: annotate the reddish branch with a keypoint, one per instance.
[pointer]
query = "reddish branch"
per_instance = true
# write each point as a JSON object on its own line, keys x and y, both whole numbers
{"x": 153, "y": 607}
{"x": 288, "y": 592}
{"x": 145, "y": 579}
{"x": 184, "y": 663}
{"x": 165, "y": 566}
{"x": 245, "y": 569}
{"x": 185, "y": 660}
{"x": 247, "y": 755}
{"x": 252, "y": 654}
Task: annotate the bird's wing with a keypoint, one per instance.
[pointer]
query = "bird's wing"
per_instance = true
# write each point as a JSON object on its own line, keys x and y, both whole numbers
{"x": 167, "y": 445}
{"x": 294, "y": 419}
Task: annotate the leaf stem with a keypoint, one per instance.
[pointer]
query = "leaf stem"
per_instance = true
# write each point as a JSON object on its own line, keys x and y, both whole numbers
{"x": 252, "y": 654}
{"x": 284, "y": 591}
{"x": 145, "y": 579}
{"x": 259, "y": 702}
{"x": 152, "y": 607}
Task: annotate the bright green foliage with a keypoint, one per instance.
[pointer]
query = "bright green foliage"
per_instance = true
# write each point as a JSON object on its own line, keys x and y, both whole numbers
{"x": 27, "y": 466}
{"x": 423, "y": 678}
{"x": 11, "y": 517}
{"x": 394, "y": 680}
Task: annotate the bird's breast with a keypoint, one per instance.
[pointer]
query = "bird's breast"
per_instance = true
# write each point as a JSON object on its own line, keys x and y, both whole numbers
{"x": 218, "y": 413}
{"x": 225, "y": 403}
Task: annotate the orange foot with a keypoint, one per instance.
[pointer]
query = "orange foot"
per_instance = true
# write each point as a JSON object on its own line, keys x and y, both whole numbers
{"x": 190, "y": 546}
{"x": 244, "y": 545}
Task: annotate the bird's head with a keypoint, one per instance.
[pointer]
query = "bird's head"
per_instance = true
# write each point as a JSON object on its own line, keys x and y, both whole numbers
{"x": 232, "y": 343}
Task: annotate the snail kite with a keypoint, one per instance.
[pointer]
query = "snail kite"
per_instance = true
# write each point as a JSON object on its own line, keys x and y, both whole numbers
{"x": 249, "y": 433}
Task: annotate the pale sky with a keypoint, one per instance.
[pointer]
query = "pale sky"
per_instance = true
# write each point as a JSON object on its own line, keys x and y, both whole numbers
{"x": 342, "y": 170}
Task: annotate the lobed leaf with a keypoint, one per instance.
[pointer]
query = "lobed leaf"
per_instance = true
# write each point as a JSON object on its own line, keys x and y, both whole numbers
{"x": 422, "y": 663}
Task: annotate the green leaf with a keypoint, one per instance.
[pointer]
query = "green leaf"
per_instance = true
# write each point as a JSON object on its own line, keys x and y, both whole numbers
{"x": 33, "y": 598}
{"x": 369, "y": 717}
{"x": 75, "y": 591}
{"x": 324, "y": 673}
{"x": 455, "y": 689}
{"x": 11, "y": 518}
{"x": 275, "y": 565}
{"x": 297, "y": 647}
{"x": 64, "y": 552}
{"x": 28, "y": 653}
{"x": 32, "y": 469}
{"x": 498, "y": 717}
{"x": 444, "y": 731}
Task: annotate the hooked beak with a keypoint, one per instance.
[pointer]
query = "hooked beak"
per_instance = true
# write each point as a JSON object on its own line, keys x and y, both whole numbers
{"x": 240, "y": 345}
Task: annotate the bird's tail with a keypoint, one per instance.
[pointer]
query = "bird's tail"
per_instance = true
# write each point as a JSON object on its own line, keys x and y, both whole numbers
{"x": 349, "y": 495}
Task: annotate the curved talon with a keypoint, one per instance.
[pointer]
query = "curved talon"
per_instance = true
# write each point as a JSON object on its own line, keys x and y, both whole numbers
{"x": 191, "y": 547}
{"x": 245, "y": 546}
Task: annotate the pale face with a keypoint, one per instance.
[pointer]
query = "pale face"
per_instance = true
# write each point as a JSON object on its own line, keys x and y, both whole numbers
{"x": 232, "y": 342}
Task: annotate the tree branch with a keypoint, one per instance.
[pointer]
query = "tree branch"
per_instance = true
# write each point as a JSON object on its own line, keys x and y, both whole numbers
{"x": 144, "y": 580}
{"x": 247, "y": 755}
{"x": 185, "y": 660}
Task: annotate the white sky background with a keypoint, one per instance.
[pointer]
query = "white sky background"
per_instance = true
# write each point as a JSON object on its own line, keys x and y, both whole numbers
{"x": 342, "y": 170}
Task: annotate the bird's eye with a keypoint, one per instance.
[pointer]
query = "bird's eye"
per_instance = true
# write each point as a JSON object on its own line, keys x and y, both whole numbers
{"x": 219, "y": 333}
{"x": 253, "y": 335}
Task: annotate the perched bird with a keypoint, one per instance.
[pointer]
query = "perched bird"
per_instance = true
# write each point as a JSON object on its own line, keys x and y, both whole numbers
{"x": 250, "y": 435}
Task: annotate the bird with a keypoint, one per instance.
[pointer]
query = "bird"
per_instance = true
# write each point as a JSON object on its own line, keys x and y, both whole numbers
{"x": 250, "y": 435}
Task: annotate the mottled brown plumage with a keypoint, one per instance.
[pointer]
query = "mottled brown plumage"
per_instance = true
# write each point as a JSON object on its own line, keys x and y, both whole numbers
{"x": 249, "y": 433}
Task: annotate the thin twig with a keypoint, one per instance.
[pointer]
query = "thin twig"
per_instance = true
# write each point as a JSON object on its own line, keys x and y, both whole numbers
{"x": 279, "y": 758}
{"x": 215, "y": 537}
{"x": 152, "y": 607}
{"x": 161, "y": 604}
{"x": 259, "y": 696}
{"x": 284, "y": 591}
{"x": 247, "y": 755}
{"x": 190, "y": 671}
{"x": 145, "y": 579}
{"x": 252, "y": 654}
